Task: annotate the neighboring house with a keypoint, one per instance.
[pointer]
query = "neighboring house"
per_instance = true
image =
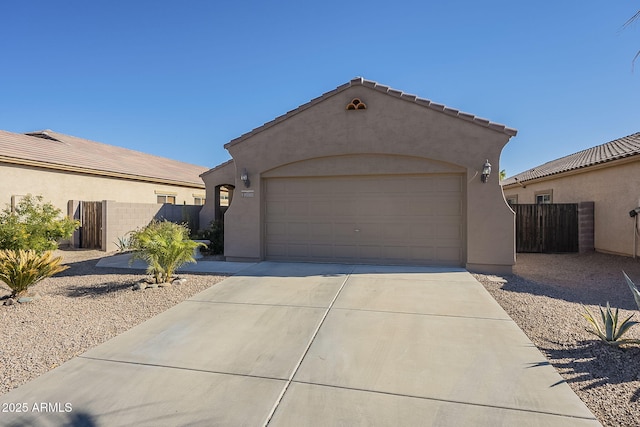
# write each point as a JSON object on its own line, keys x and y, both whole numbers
{"x": 62, "y": 167}
{"x": 366, "y": 174}
{"x": 608, "y": 175}
{"x": 127, "y": 188}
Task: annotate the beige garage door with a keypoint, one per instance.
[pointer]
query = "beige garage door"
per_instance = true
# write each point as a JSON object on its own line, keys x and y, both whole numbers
{"x": 414, "y": 219}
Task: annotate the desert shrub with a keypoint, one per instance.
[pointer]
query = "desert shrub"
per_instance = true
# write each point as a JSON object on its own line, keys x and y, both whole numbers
{"x": 612, "y": 329}
{"x": 123, "y": 243}
{"x": 34, "y": 225}
{"x": 22, "y": 269}
{"x": 214, "y": 234}
{"x": 164, "y": 246}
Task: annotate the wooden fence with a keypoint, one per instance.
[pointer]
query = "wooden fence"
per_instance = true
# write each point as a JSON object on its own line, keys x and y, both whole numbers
{"x": 546, "y": 227}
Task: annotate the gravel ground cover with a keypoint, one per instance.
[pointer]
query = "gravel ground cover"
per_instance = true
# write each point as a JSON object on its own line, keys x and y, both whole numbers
{"x": 544, "y": 297}
{"x": 85, "y": 306}
{"x": 79, "y": 308}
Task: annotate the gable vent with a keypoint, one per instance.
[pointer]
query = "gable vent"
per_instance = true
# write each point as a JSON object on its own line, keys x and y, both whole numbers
{"x": 356, "y": 104}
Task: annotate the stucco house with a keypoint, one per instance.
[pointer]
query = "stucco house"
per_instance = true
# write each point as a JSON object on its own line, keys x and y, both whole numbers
{"x": 367, "y": 174}
{"x": 607, "y": 175}
{"x": 62, "y": 167}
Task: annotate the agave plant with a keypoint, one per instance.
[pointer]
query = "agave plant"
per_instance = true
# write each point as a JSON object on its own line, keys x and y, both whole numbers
{"x": 21, "y": 269}
{"x": 634, "y": 289}
{"x": 164, "y": 246}
{"x": 612, "y": 330}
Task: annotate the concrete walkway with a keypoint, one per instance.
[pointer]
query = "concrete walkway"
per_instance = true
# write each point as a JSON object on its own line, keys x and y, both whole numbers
{"x": 285, "y": 344}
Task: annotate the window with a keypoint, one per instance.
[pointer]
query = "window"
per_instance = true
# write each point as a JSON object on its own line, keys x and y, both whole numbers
{"x": 224, "y": 198}
{"x": 198, "y": 200}
{"x": 544, "y": 197}
{"x": 512, "y": 200}
{"x": 166, "y": 198}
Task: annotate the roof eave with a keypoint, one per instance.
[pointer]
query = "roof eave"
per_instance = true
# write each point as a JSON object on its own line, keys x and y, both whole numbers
{"x": 97, "y": 172}
{"x": 575, "y": 171}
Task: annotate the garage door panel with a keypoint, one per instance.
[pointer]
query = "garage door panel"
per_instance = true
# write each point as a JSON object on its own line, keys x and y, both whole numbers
{"x": 324, "y": 252}
{"x": 301, "y": 187}
{"x": 274, "y": 209}
{"x": 370, "y": 252}
{"x": 398, "y": 219}
{"x": 276, "y": 230}
{"x": 321, "y": 207}
{"x": 446, "y": 254}
{"x": 297, "y": 229}
{"x": 396, "y": 253}
{"x": 419, "y": 253}
{"x": 321, "y": 230}
{"x": 345, "y": 252}
{"x": 449, "y": 183}
{"x": 277, "y": 250}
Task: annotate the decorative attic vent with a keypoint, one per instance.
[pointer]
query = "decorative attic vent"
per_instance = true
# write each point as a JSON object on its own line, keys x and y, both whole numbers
{"x": 356, "y": 104}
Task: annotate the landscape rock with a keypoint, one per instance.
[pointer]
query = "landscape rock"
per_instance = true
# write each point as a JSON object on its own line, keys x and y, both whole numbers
{"x": 139, "y": 286}
{"x": 9, "y": 301}
{"x": 180, "y": 281}
{"x": 29, "y": 298}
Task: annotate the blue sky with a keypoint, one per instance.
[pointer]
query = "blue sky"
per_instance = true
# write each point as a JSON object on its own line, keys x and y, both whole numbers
{"x": 181, "y": 78}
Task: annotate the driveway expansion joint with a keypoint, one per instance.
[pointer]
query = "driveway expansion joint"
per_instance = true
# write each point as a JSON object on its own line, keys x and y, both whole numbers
{"x": 258, "y": 304}
{"x": 181, "y": 368}
{"x": 457, "y": 402}
{"x": 423, "y": 314}
{"x": 306, "y": 350}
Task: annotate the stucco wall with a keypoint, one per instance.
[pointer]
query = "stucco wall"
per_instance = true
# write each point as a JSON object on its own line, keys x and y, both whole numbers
{"x": 60, "y": 187}
{"x": 614, "y": 189}
{"x": 388, "y": 127}
{"x": 224, "y": 174}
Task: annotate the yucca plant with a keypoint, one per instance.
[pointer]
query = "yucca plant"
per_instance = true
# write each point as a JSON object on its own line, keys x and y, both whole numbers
{"x": 164, "y": 246}
{"x": 22, "y": 269}
{"x": 612, "y": 330}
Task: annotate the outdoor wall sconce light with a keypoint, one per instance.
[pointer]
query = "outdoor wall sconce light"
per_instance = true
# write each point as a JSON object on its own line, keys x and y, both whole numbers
{"x": 486, "y": 171}
{"x": 244, "y": 177}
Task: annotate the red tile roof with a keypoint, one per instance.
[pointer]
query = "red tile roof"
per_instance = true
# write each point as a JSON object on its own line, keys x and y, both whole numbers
{"x": 52, "y": 150}
{"x": 626, "y": 146}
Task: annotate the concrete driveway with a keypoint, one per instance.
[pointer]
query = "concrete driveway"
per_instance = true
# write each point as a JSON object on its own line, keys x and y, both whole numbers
{"x": 285, "y": 344}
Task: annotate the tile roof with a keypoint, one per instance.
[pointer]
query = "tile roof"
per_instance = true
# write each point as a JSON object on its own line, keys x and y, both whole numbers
{"x": 359, "y": 81}
{"x": 620, "y": 148}
{"x": 49, "y": 149}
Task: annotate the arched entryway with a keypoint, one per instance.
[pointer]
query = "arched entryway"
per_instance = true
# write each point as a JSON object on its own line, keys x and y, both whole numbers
{"x": 223, "y": 195}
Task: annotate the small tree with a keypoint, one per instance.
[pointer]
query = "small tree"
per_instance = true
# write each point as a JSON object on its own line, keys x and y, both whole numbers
{"x": 34, "y": 225}
{"x": 164, "y": 246}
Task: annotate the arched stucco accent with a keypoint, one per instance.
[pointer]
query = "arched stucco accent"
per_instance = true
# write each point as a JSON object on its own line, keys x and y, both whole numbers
{"x": 362, "y": 164}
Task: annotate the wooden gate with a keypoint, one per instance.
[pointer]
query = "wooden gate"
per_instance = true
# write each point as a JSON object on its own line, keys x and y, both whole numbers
{"x": 91, "y": 225}
{"x": 546, "y": 227}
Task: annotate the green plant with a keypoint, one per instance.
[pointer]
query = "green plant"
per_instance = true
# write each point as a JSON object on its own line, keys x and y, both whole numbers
{"x": 123, "y": 244}
{"x": 34, "y": 225}
{"x": 634, "y": 289}
{"x": 612, "y": 330}
{"x": 21, "y": 269}
{"x": 164, "y": 246}
{"x": 215, "y": 234}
